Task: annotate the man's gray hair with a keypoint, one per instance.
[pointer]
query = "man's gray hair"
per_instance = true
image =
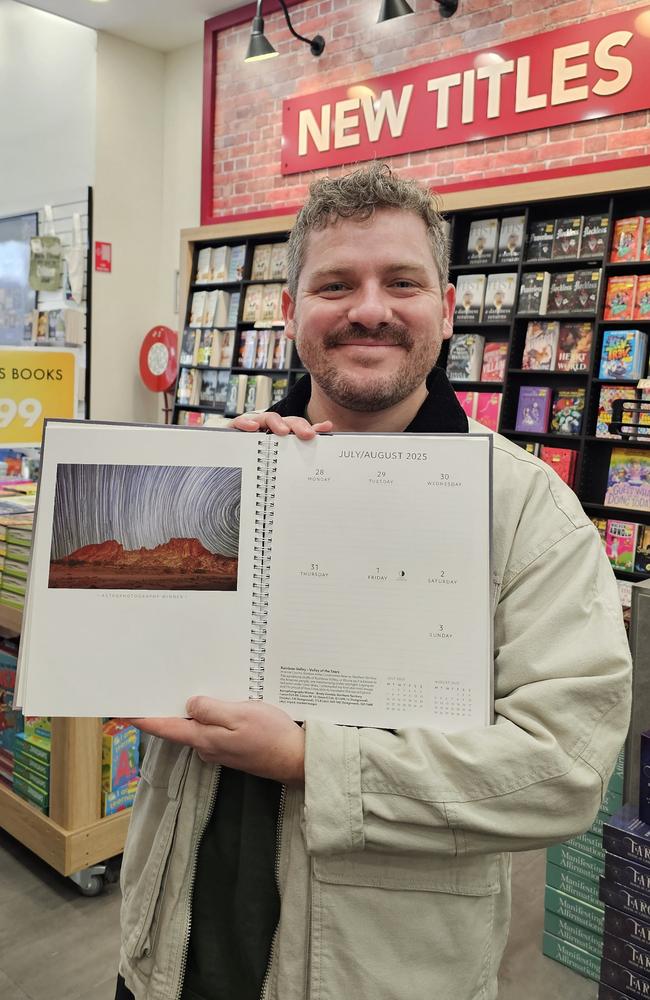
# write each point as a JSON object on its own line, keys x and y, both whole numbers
{"x": 358, "y": 195}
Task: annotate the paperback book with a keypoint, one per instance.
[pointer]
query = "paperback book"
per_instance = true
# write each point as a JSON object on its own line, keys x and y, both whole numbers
{"x": 574, "y": 347}
{"x": 261, "y": 266}
{"x": 595, "y": 230}
{"x": 482, "y": 241}
{"x": 253, "y": 304}
{"x": 642, "y": 298}
{"x": 567, "y": 237}
{"x": 495, "y": 355}
{"x": 645, "y": 239}
{"x": 190, "y": 347}
{"x": 499, "y": 298}
{"x": 620, "y": 544}
{"x": 235, "y": 395}
{"x": 236, "y": 263}
{"x": 642, "y": 558}
{"x": 562, "y": 293}
{"x": 628, "y": 481}
{"x": 533, "y": 409}
{"x": 540, "y": 347}
{"x": 511, "y": 239}
{"x": 278, "y": 269}
{"x": 470, "y": 290}
{"x": 567, "y": 411}
{"x": 540, "y": 240}
{"x": 533, "y": 293}
{"x": 626, "y": 241}
{"x": 623, "y": 354}
{"x": 465, "y": 357}
{"x": 197, "y": 308}
{"x": 220, "y": 263}
{"x": 608, "y": 394}
{"x": 620, "y": 297}
{"x": 204, "y": 266}
{"x": 562, "y": 460}
{"x": 211, "y": 597}
{"x": 585, "y": 290}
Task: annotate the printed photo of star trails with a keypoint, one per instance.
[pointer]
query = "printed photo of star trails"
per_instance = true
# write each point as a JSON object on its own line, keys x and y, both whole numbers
{"x": 153, "y": 527}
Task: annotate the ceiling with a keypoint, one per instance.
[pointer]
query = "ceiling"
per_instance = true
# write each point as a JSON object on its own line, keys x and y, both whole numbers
{"x": 159, "y": 24}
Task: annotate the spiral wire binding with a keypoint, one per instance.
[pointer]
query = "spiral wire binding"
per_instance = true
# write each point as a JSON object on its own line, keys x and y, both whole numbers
{"x": 267, "y": 467}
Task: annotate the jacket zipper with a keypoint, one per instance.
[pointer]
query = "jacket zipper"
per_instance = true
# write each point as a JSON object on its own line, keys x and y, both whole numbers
{"x": 276, "y": 868}
{"x": 188, "y": 917}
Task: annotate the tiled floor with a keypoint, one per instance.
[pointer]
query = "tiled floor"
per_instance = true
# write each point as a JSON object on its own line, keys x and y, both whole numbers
{"x": 58, "y": 945}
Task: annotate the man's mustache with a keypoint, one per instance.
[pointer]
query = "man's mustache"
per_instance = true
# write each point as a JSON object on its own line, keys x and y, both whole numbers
{"x": 387, "y": 333}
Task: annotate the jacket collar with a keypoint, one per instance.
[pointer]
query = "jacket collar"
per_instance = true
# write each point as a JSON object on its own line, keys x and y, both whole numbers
{"x": 440, "y": 413}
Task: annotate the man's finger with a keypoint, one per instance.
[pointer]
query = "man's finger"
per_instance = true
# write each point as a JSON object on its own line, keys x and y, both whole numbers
{"x": 178, "y": 730}
{"x": 212, "y": 712}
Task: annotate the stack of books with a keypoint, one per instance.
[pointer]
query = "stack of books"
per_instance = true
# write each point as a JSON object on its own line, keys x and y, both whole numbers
{"x": 574, "y": 913}
{"x": 484, "y": 407}
{"x": 15, "y": 547}
{"x": 11, "y": 719}
{"x": 32, "y": 755}
{"x": 541, "y": 410}
{"x": 627, "y": 544}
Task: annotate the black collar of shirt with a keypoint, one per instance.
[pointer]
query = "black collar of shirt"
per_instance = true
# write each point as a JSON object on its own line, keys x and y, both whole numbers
{"x": 440, "y": 413}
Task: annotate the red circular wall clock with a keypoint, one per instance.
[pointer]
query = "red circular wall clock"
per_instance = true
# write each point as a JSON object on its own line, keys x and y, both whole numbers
{"x": 159, "y": 358}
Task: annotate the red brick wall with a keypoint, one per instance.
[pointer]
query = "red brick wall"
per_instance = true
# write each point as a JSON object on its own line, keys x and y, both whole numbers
{"x": 248, "y": 114}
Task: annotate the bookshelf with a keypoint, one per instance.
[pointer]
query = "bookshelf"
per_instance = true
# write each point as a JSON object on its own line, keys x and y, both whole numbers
{"x": 613, "y": 195}
{"x": 74, "y": 836}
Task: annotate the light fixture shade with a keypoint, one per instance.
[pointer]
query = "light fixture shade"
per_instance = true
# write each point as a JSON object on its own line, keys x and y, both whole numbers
{"x": 393, "y": 8}
{"x": 259, "y": 46}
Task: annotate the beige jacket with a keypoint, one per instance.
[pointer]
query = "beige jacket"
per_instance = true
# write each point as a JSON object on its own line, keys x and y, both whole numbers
{"x": 394, "y": 865}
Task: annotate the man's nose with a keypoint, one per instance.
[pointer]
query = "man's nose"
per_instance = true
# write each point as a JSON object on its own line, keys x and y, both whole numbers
{"x": 370, "y": 307}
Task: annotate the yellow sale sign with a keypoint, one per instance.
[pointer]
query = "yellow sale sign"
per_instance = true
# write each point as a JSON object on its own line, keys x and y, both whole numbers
{"x": 35, "y": 383}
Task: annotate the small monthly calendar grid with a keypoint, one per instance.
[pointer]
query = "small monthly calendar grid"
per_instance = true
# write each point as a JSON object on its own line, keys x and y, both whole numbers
{"x": 403, "y": 695}
{"x": 452, "y": 699}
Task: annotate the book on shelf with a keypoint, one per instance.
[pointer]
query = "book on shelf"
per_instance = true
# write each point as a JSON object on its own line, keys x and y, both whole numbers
{"x": 279, "y": 388}
{"x": 642, "y": 556}
{"x": 533, "y": 293}
{"x": 210, "y": 310}
{"x": 190, "y": 347}
{"x": 532, "y": 447}
{"x": 281, "y": 351}
{"x": 620, "y": 297}
{"x": 540, "y": 347}
{"x": 197, "y": 308}
{"x": 626, "y": 240}
{"x": 235, "y": 395}
{"x": 623, "y": 354}
{"x": 204, "y": 266}
{"x": 264, "y": 350}
{"x": 223, "y": 311}
{"x": 253, "y": 304}
{"x": 465, "y": 357}
{"x": 482, "y": 241}
{"x": 561, "y": 293}
{"x": 261, "y": 266}
{"x": 628, "y": 480}
{"x": 562, "y": 460}
{"x": 495, "y": 355}
{"x": 247, "y": 349}
{"x": 533, "y": 408}
{"x": 499, "y": 298}
{"x": 271, "y": 309}
{"x": 620, "y": 544}
{"x": 220, "y": 263}
{"x": 574, "y": 347}
{"x": 218, "y": 563}
{"x": 258, "y": 393}
{"x": 595, "y": 230}
{"x": 233, "y": 309}
{"x": 214, "y": 354}
{"x": 190, "y": 418}
{"x": 645, "y": 239}
{"x": 585, "y": 290}
{"x": 567, "y": 411}
{"x": 609, "y": 393}
{"x": 567, "y": 237}
{"x": 278, "y": 267}
{"x": 188, "y": 387}
{"x": 236, "y": 263}
{"x": 642, "y": 298}
{"x": 470, "y": 289}
{"x": 221, "y": 388}
{"x": 481, "y": 406}
{"x": 208, "y": 388}
{"x": 600, "y": 524}
{"x": 227, "y": 349}
{"x": 511, "y": 239}
{"x": 204, "y": 352}
{"x": 539, "y": 245}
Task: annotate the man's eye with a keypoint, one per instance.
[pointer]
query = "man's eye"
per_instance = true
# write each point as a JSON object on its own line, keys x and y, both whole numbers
{"x": 404, "y": 283}
{"x": 333, "y": 286}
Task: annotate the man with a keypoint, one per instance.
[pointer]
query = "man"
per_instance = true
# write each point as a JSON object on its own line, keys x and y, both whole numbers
{"x": 389, "y": 879}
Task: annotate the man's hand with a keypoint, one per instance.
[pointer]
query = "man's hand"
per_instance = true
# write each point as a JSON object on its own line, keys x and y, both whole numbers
{"x": 281, "y": 425}
{"x": 249, "y": 736}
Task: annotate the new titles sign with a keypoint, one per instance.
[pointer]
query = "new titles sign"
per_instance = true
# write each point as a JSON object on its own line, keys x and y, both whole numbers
{"x": 590, "y": 70}
{"x": 35, "y": 383}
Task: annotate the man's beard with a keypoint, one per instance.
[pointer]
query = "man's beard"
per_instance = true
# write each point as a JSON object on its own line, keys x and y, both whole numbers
{"x": 371, "y": 393}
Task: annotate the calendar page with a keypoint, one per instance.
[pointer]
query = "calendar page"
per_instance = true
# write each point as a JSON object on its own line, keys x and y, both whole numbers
{"x": 379, "y": 608}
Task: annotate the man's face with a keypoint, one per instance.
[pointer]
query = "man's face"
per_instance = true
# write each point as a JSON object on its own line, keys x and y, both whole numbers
{"x": 369, "y": 317}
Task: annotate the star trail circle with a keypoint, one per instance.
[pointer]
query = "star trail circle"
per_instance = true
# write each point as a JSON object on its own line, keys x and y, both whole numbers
{"x": 145, "y": 506}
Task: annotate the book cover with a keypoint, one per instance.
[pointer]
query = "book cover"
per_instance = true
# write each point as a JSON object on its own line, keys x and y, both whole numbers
{"x": 205, "y": 347}
{"x": 628, "y": 481}
{"x": 204, "y": 266}
{"x": 608, "y": 393}
{"x": 540, "y": 240}
{"x": 574, "y": 347}
{"x": 595, "y": 230}
{"x": 214, "y": 356}
{"x": 261, "y": 266}
{"x": 565, "y": 905}
{"x": 622, "y": 355}
{"x": 271, "y": 308}
{"x": 227, "y": 348}
{"x": 221, "y": 309}
{"x": 499, "y": 298}
{"x": 279, "y": 388}
{"x": 533, "y": 409}
{"x": 567, "y": 411}
{"x": 190, "y": 418}
{"x": 533, "y": 293}
{"x": 562, "y": 293}
{"x": 208, "y": 388}
{"x": 236, "y": 263}
{"x": 562, "y": 460}
{"x": 281, "y": 351}
{"x": 540, "y": 347}
{"x": 469, "y": 402}
{"x": 253, "y": 304}
{"x": 627, "y": 928}
{"x": 629, "y": 984}
{"x": 495, "y": 355}
{"x": 465, "y": 357}
{"x": 233, "y": 309}
{"x": 585, "y": 289}
{"x": 236, "y": 395}
{"x": 470, "y": 289}
{"x": 221, "y": 388}
{"x": 247, "y": 349}
{"x": 210, "y": 311}
{"x": 626, "y": 241}
{"x": 620, "y": 297}
{"x": 567, "y": 930}
{"x": 220, "y": 263}
{"x": 264, "y": 350}
{"x": 642, "y": 298}
{"x": 263, "y": 392}
{"x": 620, "y": 544}
{"x": 197, "y": 308}
{"x": 189, "y": 347}
{"x": 511, "y": 239}
{"x": 278, "y": 269}
{"x": 642, "y": 557}
{"x": 645, "y": 239}
{"x": 251, "y": 391}
{"x": 567, "y": 236}
{"x": 600, "y": 524}
{"x": 482, "y": 241}
{"x": 488, "y": 408}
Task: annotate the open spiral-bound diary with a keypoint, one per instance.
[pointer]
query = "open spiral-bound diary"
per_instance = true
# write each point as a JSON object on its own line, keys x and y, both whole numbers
{"x": 345, "y": 578}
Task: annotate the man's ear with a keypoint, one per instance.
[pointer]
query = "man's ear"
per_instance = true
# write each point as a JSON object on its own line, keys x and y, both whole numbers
{"x": 288, "y": 314}
{"x": 448, "y": 304}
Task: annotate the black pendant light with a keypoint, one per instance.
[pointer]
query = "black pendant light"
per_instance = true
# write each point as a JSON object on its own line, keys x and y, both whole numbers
{"x": 398, "y": 8}
{"x": 259, "y": 46}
